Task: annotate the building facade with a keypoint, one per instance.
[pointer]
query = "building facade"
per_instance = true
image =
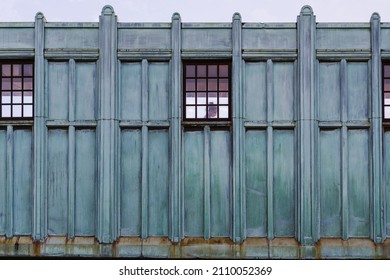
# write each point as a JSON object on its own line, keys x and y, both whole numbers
{"x": 195, "y": 140}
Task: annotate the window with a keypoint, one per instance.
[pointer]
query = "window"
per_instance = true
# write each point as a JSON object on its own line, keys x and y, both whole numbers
{"x": 386, "y": 91}
{"x": 16, "y": 90}
{"x": 207, "y": 91}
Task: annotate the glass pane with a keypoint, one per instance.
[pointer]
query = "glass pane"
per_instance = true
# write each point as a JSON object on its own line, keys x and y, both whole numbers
{"x": 223, "y": 112}
{"x": 190, "y": 71}
{"x": 223, "y": 71}
{"x": 201, "y": 84}
{"x": 201, "y": 112}
{"x": 386, "y": 83}
{"x": 17, "y": 111}
{"x": 27, "y": 70}
{"x": 17, "y": 70}
{"x": 223, "y": 84}
{"x": 212, "y": 85}
{"x": 212, "y": 112}
{"x": 28, "y": 97}
{"x": 27, "y": 110}
{"x": 6, "y": 97}
{"x": 17, "y": 97}
{"x": 387, "y": 112}
{"x": 6, "y": 70}
{"x": 213, "y": 98}
{"x": 6, "y": 84}
{"x": 6, "y": 111}
{"x": 387, "y": 71}
{"x": 190, "y": 85}
{"x": 190, "y": 112}
{"x": 201, "y": 71}
{"x": 190, "y": 98}
{"x": 28, "y": 83}
{"x": 201, "y": 98}
{"x": 17, "y": 83}
{"x": 387, "y": 98}
{"x": 223, "y": 98}
{"x": 213, "y": 71}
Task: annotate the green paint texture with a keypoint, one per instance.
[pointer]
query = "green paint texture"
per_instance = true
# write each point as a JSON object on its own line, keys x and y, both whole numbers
{"x": 305, "y": 157}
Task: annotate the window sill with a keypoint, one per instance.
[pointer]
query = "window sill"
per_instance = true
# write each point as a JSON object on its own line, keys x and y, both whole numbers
{"x": 206, "y": 123}
{"x": 17, "y": 122}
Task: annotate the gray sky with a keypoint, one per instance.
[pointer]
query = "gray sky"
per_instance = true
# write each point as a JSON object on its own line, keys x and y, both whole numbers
{"x": 195, "y": 10}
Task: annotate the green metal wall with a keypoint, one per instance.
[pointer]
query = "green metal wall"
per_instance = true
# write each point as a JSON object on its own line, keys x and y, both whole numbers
{"x": 108, "y": 154}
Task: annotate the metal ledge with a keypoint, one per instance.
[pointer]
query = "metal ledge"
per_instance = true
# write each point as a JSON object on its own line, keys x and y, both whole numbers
{"x": 160, "y": 54}
{"x": 17, "y": 53}
{"x": 274, "y": 124}
{"x": 138, "y": 124}
{"x": 5, "y": 123}
{"x": 281, "y": 54}
{"x": 64, "y": 123}
{"x": 206, "y": 54}
{"x": 91, "y": 54}
{"x": 357, "y": 54}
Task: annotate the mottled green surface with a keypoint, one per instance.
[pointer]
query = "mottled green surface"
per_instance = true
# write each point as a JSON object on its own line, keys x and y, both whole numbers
{"x": 330, "y": 183}
{"x": 207, "y": 39}
{"x": 220, "y": 183}
{"x": 131, "y": 176}
{"x": 194, "y": 183}
{"x": 3, "y": 179}
{"x": 130, "y": 89}
{"x": 284, "y": 183}
{"x": 158, "y": 180}
{"x": 358, "y": 98}
{"x": 86, "y": 190}
{"x": 255, "y": 91}
{"x": 108, "y": 154}
{"x": 63, "y": 37}
{"x": 358, "y": 184}
{"x": 86, "y": 96}
{"x": 348, "y": 38}
{"x": 16, "y": 38}
{"x": 145, "y": 38}
{"x": 269, "y": 38}
{"x": 22, "y": 188}
{"x": 256, "y": 183}
{"x": 158, "y": 90}
{"x": 329, "y": 94}
{"x": 283, "y": 91}
{"x": 58, "y": 87}
{"x": 57, "y": 185}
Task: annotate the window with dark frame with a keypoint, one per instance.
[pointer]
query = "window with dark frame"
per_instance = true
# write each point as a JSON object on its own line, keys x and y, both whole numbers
{"x": 207, "y": 91}
{"x": 16, "y": 89}
{"x": 386, "y": 91}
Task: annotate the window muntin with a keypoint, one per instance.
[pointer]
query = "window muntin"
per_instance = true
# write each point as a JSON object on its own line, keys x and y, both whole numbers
{"x": 207, "y": 91}
{"x": 16, "y": 90}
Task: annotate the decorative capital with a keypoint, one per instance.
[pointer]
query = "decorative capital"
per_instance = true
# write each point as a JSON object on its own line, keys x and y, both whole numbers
{"x": 307, "y": 10}
{"x": 375, "y": 16}
{"x": 39, "y": 16}
{"x": 236, "y": 16}
{"x": 176, "y": 16}
{"x": 108, "y": 10}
